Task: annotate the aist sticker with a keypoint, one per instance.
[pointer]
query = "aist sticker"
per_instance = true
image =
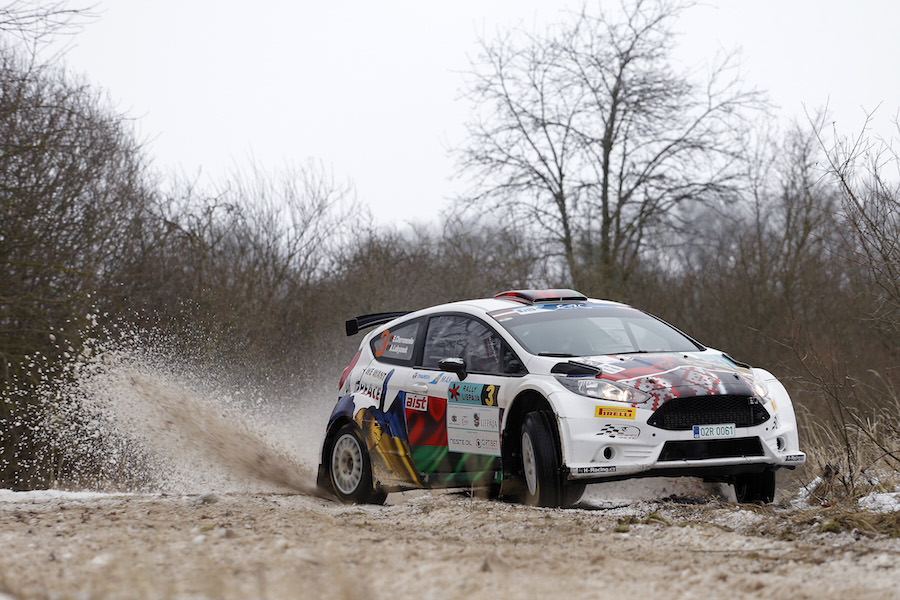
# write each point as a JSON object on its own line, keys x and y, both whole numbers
{"x": 615, "y": 412}
{"x": 417, "y": 402}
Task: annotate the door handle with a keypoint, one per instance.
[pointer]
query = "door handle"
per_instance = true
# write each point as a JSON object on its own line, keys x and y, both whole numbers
{"x": 418, "y": 387}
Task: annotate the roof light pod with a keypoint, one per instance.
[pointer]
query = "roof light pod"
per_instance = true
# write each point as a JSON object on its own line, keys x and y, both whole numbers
{"x": 536, "y": 296}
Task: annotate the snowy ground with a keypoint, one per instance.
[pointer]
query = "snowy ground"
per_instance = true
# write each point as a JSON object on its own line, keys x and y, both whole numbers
{"x": 426, "y": 545}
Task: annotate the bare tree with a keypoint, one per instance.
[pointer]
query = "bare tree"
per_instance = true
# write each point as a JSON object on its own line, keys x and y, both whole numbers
{"x": 867, "y": 171}
{"x": 590, "y": 134}
{"x": 38, "y": 24}
{"x": 72, "y": 188}
{"x": 73, "y": 197}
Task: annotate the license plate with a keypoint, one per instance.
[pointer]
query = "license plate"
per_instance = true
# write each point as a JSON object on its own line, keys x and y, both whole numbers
{"x": 708, "y": 432}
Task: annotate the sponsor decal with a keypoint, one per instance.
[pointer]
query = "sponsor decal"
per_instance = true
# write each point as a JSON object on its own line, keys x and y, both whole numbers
{"x": 473, "y": 429}
{"x": 486, "y": 420}
{"x": 598, "y": 469}
{"x": 416, "y": 402}
{"x": 369, "y": 389}
{"x": 375, "y": 373}
{"x": 430, "y": 377}
{"x": 615, "y": 412}
{"x": 795, "y": 458}
{"x": 473, "y": 393}
{"x": 373, "y": 383}
{"x": 459, "y": 420}
{"x": 491, "y": 445}
{"x": 622, "y": 432}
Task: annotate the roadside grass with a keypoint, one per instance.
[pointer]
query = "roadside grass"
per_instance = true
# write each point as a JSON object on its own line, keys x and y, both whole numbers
{"x": 853, "y": 451}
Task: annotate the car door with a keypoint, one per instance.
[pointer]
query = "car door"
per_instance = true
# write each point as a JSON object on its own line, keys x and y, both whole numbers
{"x": 453, "y": 423}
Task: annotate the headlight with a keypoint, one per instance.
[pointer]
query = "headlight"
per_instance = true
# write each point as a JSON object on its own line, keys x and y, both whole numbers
{"x": 762, "y": 392}
{"x": 761, "y": 389}
{"x": 603, "y": 389}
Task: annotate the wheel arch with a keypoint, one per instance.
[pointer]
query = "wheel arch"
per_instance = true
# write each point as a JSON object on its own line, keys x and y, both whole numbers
{"x": 526, "y": 402}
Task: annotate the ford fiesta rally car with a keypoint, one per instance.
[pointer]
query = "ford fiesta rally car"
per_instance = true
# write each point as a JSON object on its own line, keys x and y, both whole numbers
{"x": 533, "y": 394}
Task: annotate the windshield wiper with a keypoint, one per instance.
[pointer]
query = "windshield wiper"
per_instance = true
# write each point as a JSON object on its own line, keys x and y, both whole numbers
{"x": 557, "y": 354}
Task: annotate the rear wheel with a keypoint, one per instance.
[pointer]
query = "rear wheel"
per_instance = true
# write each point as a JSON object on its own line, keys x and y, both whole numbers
{"x": 350, "y": 468}
{"x": 544, "y": 485}
{"x": 755, "y": 488}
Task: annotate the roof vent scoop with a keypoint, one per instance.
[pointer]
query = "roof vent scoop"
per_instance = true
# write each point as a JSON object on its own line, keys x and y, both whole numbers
{"x": 542, "y": 296}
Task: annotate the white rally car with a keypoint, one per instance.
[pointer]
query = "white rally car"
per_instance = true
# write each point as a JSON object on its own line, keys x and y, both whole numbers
{"x": 535, "y": 393}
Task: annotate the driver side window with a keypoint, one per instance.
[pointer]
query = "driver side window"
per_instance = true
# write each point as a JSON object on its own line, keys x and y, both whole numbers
{"x": 453, "y": 336}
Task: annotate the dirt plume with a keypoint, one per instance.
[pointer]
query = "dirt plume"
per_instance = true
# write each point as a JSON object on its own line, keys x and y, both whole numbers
{"x": 131, "y": 416}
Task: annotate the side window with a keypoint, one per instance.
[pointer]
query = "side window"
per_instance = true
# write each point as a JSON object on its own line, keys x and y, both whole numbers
{"x": 396, "y": 344}
{"x": 453, "y": 336}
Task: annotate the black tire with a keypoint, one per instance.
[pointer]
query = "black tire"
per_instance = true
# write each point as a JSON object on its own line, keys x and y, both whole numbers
{"x": 543, "y": 482}
{"x": 350, "y": 468}
{"x": 573, "y": 491}
{"x": 755, "y": 488}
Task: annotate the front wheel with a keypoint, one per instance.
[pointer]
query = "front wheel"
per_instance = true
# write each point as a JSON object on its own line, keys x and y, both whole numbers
{"x": 544, "y": 485}
{"x": 350, "y": 468}
{"x": 755, "y": 488}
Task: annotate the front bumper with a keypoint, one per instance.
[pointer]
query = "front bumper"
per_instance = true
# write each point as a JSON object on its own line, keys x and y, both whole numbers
{"x": 616, "y": 445}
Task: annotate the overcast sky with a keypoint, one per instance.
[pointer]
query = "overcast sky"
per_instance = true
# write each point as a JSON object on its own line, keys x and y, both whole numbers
{"x": 372, "y": 88}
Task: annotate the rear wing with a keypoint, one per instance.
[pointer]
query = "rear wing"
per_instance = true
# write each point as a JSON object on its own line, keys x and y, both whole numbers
{"x": 354, "y": 325}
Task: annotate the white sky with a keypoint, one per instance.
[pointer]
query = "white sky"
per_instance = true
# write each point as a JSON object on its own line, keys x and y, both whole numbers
{"x": 372, "y": 88}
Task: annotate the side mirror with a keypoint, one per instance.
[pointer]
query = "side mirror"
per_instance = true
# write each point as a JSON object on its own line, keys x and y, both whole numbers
{"x": 454, "y": 365}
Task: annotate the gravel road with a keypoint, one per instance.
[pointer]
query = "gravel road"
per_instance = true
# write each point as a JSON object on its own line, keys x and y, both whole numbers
{"x": 427, "y": 545}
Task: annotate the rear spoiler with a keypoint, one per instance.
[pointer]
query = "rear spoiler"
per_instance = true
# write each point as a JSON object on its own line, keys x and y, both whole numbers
{"x": 354, "y": 325}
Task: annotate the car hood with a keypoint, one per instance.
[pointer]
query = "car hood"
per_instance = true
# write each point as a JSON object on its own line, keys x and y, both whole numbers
{"x": 668, "y": 375}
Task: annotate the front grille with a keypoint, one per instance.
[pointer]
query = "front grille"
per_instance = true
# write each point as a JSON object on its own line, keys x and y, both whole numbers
{"x": 683, "y": 413}
{"x": 704, "y": 449}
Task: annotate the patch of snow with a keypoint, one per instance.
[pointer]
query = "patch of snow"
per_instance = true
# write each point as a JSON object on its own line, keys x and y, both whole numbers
{"x": 801, "y": 500}
{"x": 736, "y": 519}
{"x": 880, "y": 502}
{"x": 47, "y": 495}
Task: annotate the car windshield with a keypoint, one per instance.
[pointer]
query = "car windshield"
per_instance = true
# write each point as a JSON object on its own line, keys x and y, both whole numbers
{"x": 588, "y": 329}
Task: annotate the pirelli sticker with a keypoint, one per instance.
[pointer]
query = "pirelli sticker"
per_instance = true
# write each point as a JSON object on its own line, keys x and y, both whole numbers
{"x": 615, "y": 412}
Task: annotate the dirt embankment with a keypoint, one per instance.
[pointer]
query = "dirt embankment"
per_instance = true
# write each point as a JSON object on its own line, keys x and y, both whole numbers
{"x": 427, "y": 546}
